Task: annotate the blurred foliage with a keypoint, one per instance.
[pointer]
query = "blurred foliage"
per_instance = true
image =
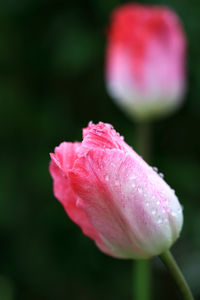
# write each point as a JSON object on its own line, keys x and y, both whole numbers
{"x": 51, "y": 85}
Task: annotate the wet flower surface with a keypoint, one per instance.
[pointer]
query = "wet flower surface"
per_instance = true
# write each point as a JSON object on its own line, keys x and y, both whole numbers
{"x": 116, "y": 198}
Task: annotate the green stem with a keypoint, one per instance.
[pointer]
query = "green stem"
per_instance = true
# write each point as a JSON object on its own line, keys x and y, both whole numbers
{"x": 144, "y": 143}
{"x": 142, "y": 280}
{"x": 142, "y": 268}
{"x": 175, "y": 272}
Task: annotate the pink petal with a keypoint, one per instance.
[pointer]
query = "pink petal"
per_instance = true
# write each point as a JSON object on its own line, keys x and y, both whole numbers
{"x": 101, "y": 136}
{"x": 62, "y": 162}
{"x": 111, "y": 184}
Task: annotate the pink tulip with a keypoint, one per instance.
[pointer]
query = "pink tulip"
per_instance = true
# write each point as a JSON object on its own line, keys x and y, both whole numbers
{"x": 145, "y": 60}
{"x": 116, "y": 198}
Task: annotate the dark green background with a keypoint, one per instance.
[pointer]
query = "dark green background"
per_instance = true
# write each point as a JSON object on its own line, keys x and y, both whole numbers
{"x": 52, "y": 85}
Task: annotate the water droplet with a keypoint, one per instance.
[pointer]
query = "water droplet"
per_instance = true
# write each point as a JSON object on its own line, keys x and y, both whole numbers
{"x": 155, "y": 169}
{"x": 159, "y": 221}
{"x": 165, "y": 220}
{"x": 163, "y": 193}
{"x": 161, "y": 175}
{"x": 107, "y": 177}
{"x": 117, "y": 182}
{"x": 133, "y": 185}
{"x": 78, "y": 202}
{"x": 122, "y": 137}
{"x": 147, "y": 203}
{"x": 173, "y": 214}
{"x": 140, "y": 190}
{"x": 153, "y": 211}
{"x": 158, "y": 202}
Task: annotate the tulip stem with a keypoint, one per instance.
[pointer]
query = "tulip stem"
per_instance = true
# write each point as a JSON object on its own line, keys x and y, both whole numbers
{"x": 142, "y": 268}
{"x": 177, "y": 275}
{"x": 142, "y": 280}
{"x": 144, "y": 140}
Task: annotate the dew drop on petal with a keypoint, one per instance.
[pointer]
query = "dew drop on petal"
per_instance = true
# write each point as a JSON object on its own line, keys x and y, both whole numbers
{"x": 78, "y": 203}
{"x": 153, "y": 211}
{"x": 163, "y": 193}
{"x": 107, "y": 177}
{"x": 159, "y": 221}
{"x": 140, "y": 190}
{"x": 166, "y": 201}
{"x": 117, "y": 182}
{"x": 161, "y": 175}
{"x": 155, "y": 169}
{"x": 133, "y": 185}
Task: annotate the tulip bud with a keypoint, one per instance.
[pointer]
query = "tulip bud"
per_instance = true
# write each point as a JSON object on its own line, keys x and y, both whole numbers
{"x": 145, "y": 60}
{"x": 116, "y": 198}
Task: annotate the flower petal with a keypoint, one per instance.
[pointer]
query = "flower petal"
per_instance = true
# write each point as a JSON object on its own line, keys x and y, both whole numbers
{"x": 62, "y": 162}
{"x": 101, "y": 136}
{"x": 111, "y": 184}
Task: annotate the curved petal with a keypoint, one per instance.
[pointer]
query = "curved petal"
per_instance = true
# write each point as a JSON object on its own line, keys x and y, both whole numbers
{"x": 62, "y": 161}
{"x": 115, "y": 188}
{"x": 65, "y": 155}
{"x": 102, "y": 136}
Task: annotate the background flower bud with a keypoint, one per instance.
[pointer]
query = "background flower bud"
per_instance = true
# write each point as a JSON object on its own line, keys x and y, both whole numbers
{"x": 145, "y": 60}
{"x": 114, "y": 195}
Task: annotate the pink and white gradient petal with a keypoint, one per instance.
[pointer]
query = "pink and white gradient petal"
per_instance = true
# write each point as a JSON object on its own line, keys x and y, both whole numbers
{"x": 145, "y": 60}
{"x": 113, "y": 198}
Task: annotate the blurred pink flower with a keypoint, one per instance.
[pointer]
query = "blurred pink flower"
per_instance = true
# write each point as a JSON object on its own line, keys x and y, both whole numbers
{"x": 145, "y": 60}
{"x": 116, "y": 198}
